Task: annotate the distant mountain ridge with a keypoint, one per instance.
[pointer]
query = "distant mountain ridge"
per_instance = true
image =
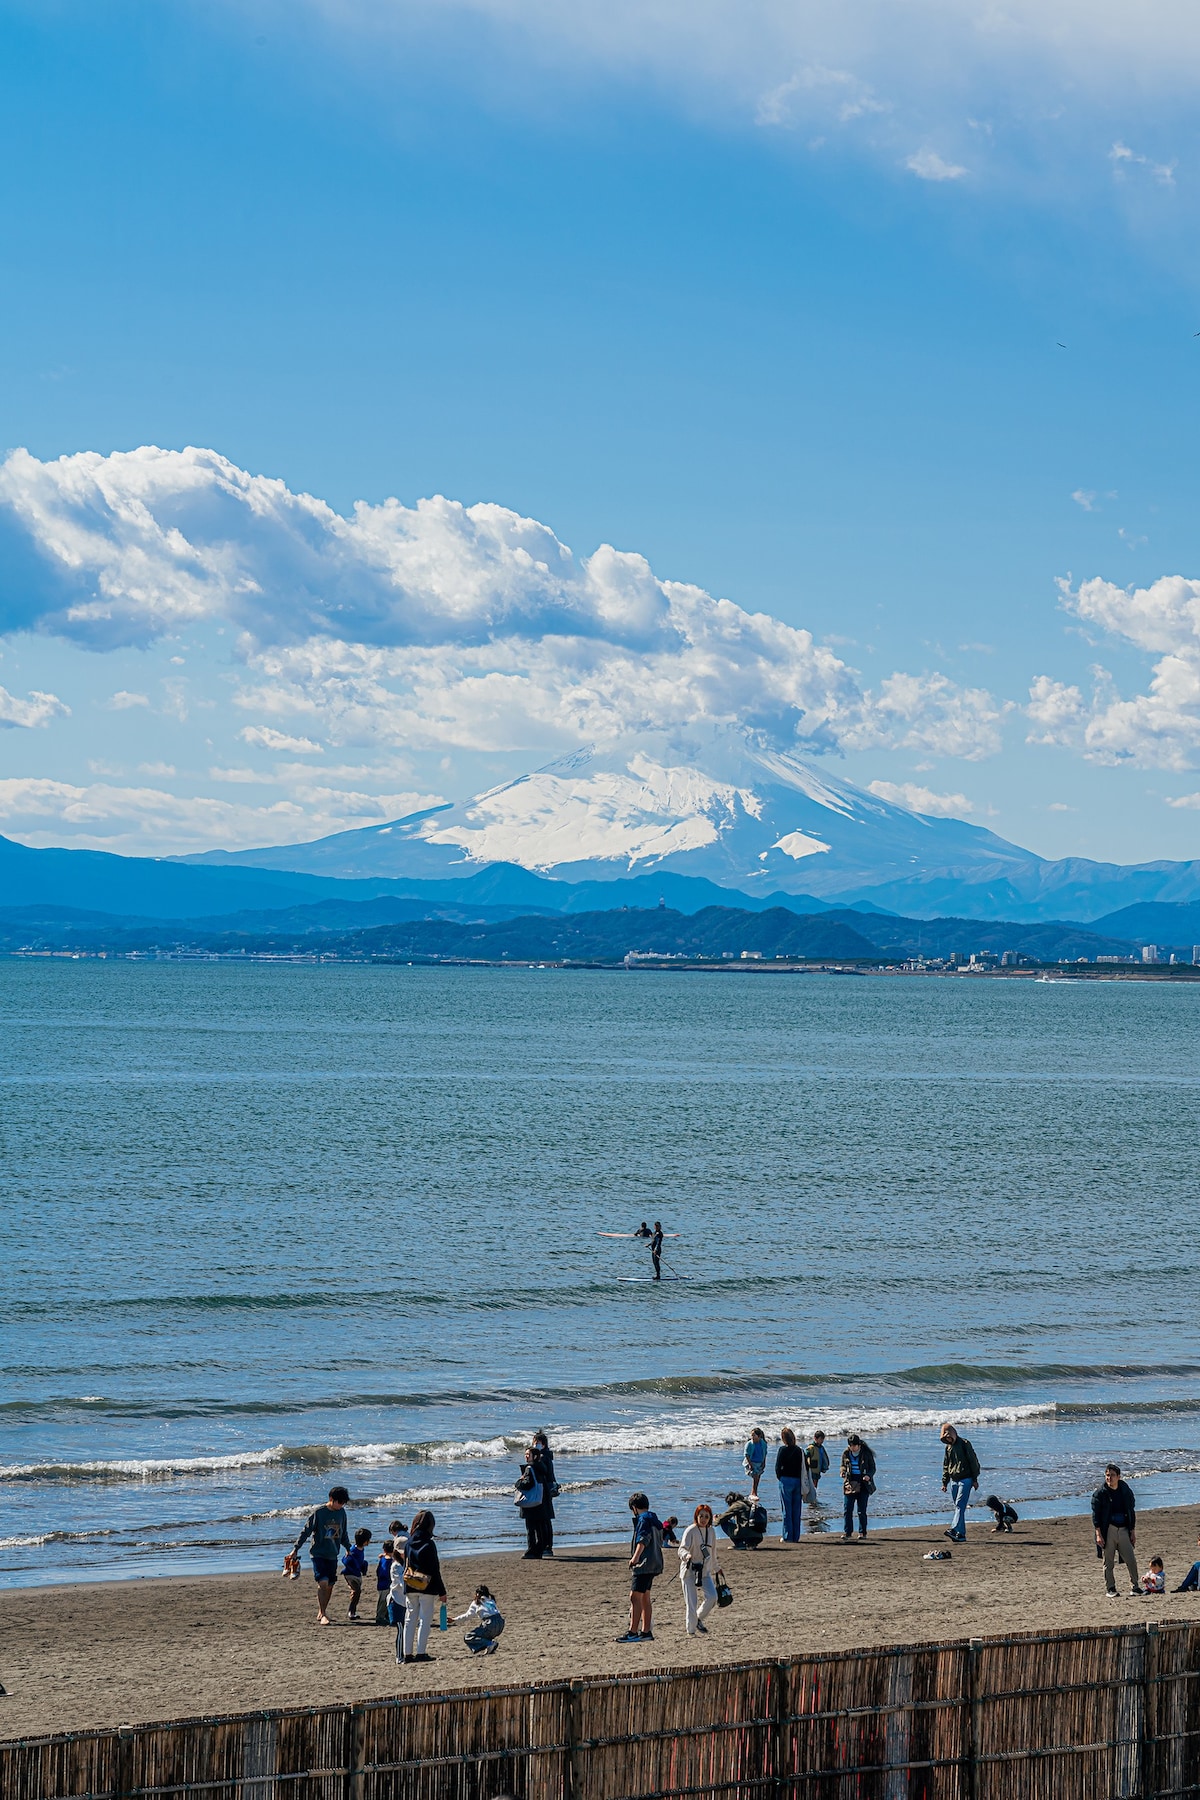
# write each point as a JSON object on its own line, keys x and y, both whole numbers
{"x": 749, "y": 819}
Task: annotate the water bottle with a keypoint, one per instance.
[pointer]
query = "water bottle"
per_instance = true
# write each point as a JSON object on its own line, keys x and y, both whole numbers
{"x": 443, "y": 1623}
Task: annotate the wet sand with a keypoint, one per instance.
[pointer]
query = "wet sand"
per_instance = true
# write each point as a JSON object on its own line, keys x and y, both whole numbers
{"x": 102, "y": 1654}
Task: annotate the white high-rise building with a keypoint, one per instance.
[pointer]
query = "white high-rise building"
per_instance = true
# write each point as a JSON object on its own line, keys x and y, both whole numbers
{"x": 1150, "y": 953}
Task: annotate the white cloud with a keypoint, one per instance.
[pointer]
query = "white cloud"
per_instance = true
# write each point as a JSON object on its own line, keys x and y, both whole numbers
{"x": 102, "y": 816}
{"x": 1030, "y": 82}
{"x": 265, "y": 737}
{"x": 1086, "y": 498}
{"x": 37, "y": 709}
{"x": 1123, "y": 159}
{"x": 1158, "y": 729}
{"x": 439, "y": 624}
{"x": 929, "y": 166}
{"x": 123, "y": 701}
{"x": 1190, "y": 801}
{"x": 923, "y": 800}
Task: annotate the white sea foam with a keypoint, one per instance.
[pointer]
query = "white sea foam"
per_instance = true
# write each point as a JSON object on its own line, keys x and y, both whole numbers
{"x": 685, "y": 1428}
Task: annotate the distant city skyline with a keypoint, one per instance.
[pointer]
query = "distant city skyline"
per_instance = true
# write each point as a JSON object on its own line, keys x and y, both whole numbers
{"x": 868, "y": 340}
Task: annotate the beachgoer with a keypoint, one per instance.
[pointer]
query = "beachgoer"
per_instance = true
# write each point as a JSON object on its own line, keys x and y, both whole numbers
{"x": 481, "y": 1639}
{"x": 645, "y": 1562}
{"x": 1155, "y": 1582}
{"x": 424, "y": 1588}
{"x": 960, "y": 1473}
{"x": 754, "y": 1458}
{"x": 1191, "y": 1581}
{"x": 744, "y": 1522}
{"x": 858, "y": 1484}
{"x": 397, "y": 1598}
{"x": 383, "y": 1581}
{"x": 531, "y": 1496}
{"x": 698, "y": 1570}
{"x": 791, "y": 1472}
{"x": 354, "y": 1569}
{"x": 818, "y": 1461}
{"x": 668, "y": 1525}
{"x": 1114, "y": 1516}
{"x": 643, "y": 1231}
{"x": 550, "y": 1490}
{"x": 1005, "y": 1516}
{"x": 326, "y": 1526}
{"x": 656, "y": 1244}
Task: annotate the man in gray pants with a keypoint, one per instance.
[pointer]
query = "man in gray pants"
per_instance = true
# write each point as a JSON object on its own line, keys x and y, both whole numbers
{"x": 1115, "y": 1519}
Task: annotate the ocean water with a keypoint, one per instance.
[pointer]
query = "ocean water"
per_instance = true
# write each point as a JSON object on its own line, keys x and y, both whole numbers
{"x": 269, "y": 1227}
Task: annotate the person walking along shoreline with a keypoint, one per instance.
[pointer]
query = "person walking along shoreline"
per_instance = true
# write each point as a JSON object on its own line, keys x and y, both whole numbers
{"x": 1114, "y": 1518}
{"x": 960, "y": 1473}
{"x": 326, "y": 1526}
{"x": 754, "y": 1458}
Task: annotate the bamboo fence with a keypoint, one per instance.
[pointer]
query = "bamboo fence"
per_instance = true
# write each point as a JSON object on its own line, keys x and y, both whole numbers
{"x": 1085, "y": 1715}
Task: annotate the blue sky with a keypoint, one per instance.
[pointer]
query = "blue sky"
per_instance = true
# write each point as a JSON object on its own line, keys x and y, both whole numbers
{"x": 771, "y": 297}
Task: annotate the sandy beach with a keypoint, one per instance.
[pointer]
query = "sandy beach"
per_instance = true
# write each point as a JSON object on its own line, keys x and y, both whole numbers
{"x": 103, "y": 1654}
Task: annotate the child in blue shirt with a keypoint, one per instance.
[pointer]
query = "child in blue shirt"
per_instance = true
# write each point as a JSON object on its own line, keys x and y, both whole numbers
{"x": 383, "y": 1581}
{"x": 354, "y": 1567}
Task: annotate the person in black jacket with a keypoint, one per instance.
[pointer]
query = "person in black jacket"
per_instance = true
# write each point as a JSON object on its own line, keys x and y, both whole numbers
{"x": 791, "y": 1472}
{"x": 424, "y": 1589}
{"x": 530, "y": 1481}
{"x": 858, "y": 1484}
{"x": 545, "y": 1461}
{"x": 1114, "y": 1516}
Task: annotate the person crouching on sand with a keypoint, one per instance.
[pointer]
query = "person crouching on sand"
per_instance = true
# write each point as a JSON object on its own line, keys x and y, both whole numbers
{"x": 326, "y": 1526}
{"x": 645, "y": 1562}
{"x": 698, "y": 1570}
{"x": 481, "y": 1639}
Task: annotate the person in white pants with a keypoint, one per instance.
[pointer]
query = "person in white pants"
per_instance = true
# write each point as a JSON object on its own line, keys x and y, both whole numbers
{"x": 698, "y": 1570}
{"x": 419, "y": 1612}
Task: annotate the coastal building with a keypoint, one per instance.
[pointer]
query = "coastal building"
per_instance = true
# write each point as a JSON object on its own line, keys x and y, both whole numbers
{"x": 1149, "y": 953}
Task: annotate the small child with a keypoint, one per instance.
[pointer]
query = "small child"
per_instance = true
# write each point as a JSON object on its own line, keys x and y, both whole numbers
{"x": 668, "y": 1526}
{"x": 1191, "y": 1580}
{"x": 481, "y": 1639}
{"x": 383, "y": 1581}
{"x": 354, "y": 1567}
{"x": 1004, "y": 1516}
{"x": 1155, "y": 1579}
{"x": 397, "y": 1599}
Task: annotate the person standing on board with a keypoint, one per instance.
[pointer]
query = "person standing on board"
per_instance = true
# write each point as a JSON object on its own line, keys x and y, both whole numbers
{"x": 656, "y": 1242}
{"x": 327, "y": 1529}
{"x": 960, "y": 1473}
{"x": 1114, "y": 1518}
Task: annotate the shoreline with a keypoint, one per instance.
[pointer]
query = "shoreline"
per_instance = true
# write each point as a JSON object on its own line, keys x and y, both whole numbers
{"x": 86, "y": 1656}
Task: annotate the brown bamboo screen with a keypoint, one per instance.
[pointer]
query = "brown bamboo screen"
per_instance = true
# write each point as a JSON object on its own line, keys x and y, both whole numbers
{"x": 1085, "y": 1715}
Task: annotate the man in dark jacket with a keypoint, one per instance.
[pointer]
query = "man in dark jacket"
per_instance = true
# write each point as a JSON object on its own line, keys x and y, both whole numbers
{"x": 960, "y": 1473}
{"x": 1115, "y": 1519}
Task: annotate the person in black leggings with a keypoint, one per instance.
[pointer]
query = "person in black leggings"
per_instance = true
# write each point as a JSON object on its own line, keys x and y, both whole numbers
{"x": 858, "y": 1484}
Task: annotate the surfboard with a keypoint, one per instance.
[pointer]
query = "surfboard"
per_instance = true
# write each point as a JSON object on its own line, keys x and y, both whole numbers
{"x": 633, "y": 1234}
{"x": 625, "y": 1279}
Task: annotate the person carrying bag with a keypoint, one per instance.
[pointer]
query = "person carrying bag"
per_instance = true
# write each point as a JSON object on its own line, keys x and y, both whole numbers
{"x": 530, "y": 1497}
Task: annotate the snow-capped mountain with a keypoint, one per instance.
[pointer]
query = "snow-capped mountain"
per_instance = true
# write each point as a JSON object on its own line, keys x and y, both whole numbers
{"x": 747, "y": 817}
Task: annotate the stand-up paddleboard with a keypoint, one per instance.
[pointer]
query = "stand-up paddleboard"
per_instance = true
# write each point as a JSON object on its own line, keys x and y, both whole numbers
{"x": 634, "y": 1234}
{"x": 625, "y": 1279}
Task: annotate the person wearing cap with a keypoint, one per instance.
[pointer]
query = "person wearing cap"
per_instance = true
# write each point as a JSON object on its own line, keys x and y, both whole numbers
{"x": 960, "y": 1473}
{"x": 858, "y": 1484}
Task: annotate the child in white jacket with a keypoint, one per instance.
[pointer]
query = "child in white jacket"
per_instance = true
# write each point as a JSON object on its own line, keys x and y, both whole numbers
{"x": 698, "y": 1570}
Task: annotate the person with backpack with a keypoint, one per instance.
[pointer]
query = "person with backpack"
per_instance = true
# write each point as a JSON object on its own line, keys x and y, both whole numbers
{"x": 645, "y": 1562}
{"x": 960, "y": 1473}
{"x": 744, "y": 1522}
{"x": 531, "y": 1497}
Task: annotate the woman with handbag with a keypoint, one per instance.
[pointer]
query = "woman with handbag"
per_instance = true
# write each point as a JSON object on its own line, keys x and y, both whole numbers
{"x": 424, "y": 1588}
{"x": 698, "y": 1572}
{"x": 858, "y": 1484}
{"x": 550, "y": 1489}
{"x": 530, "y": 1496}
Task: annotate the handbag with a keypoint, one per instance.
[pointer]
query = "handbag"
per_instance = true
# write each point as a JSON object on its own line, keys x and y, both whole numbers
{"x": 528, "y": 1497}
{"x": 724, "y": 1591}
{"x": 416, "y": 1580}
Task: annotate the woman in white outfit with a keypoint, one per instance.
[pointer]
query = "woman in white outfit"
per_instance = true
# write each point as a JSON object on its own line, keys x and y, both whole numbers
{"x": 698, "y": 1570}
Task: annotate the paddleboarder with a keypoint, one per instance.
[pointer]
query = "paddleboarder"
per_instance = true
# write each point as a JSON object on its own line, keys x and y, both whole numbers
{"x": 656, "y": 1243}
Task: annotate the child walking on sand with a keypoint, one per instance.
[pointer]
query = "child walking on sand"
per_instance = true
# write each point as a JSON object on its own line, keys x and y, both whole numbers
{"x": 383, "y": 1581}
{"x": 354, "y": 1567}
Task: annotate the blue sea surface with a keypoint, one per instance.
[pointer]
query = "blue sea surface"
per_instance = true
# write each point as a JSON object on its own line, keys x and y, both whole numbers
{"x": 270, "y": 1227}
